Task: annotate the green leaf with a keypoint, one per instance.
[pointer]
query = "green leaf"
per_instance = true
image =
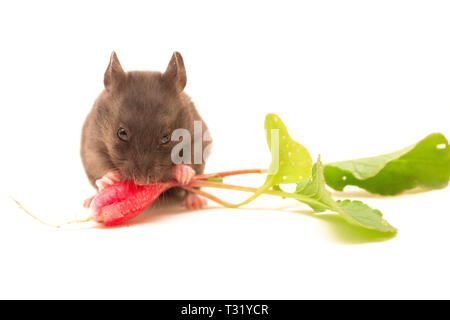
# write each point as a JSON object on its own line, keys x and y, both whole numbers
{"x": 314, "y": 193}
{"x": 365, "y": 215}
{"x": 425, "y": 164}
{"x": 291, "y": 162}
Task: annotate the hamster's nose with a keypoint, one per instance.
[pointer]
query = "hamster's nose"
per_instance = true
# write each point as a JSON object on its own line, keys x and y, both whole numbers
{"x": 141, "y": 181}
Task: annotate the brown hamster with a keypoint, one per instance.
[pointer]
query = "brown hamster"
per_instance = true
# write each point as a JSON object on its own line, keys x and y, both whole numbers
{"x": 129, "y": 129}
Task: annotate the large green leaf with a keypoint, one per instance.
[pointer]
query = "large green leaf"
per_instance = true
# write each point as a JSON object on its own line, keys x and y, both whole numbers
{"x": 426, "y": 164}
{"x": 314, "y": 193}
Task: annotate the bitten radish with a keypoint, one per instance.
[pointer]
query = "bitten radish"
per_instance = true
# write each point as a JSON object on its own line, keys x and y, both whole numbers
{"x": 125, "y": 200}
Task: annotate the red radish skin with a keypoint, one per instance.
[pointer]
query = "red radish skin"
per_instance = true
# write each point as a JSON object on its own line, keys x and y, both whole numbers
{"x": 121, "y": 201}
{"x": 125, "y": 200}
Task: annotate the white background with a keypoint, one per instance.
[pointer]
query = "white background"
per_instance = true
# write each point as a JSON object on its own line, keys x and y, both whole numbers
{"x": 349, "y": 78}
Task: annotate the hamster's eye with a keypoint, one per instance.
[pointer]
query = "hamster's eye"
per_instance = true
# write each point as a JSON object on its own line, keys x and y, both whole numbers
{"x": 122, "y": 134}
{"x": 165, "y": 139}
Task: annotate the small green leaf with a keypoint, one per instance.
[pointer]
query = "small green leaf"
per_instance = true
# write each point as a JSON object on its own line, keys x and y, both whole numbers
{"x": 426, "y": 164}
{"x": 291, "y": 162}
{"x": 365, "y": 216}
{"x": 313, "y": 193}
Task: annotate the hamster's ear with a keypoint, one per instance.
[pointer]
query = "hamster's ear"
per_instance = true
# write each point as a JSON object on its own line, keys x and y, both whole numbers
{"x": 175, "y": 73}
{"x": 114, "y": 74}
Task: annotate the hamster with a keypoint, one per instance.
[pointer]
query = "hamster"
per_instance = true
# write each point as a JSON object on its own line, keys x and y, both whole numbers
{"x": 128, "y": 133}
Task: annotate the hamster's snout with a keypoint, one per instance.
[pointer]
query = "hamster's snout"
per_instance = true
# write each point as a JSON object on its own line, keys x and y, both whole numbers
{"x": 143, "y": 175}
{"x": 141, "y": 181}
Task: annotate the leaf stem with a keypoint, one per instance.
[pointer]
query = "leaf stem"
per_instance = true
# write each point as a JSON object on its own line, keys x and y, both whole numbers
{"x": 209, "y": 196}
{"x": 211, "y": 184}
{"x": 228, "y": 173}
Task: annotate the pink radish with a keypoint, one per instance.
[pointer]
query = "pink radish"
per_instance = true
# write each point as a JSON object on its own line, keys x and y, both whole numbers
{"x": 125, "y": 200}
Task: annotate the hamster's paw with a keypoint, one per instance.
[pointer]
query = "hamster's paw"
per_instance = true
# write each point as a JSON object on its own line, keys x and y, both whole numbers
{"x": 183, "y": 173}
{"x": 194, "y": 201}
{"x": 87, "y": 202}
{"x": 110, "y": 178}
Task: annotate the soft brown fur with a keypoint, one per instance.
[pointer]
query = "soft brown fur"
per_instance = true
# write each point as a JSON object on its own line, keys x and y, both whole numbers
{"x": 149, "y": 105}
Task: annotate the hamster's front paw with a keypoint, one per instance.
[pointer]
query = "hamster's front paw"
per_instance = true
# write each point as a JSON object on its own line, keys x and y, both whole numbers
{"x": 194, "y": 201}
{"x": 183, "y": 173}
{"x": 110, "y": 178}
{"x": 87, "y": 202}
